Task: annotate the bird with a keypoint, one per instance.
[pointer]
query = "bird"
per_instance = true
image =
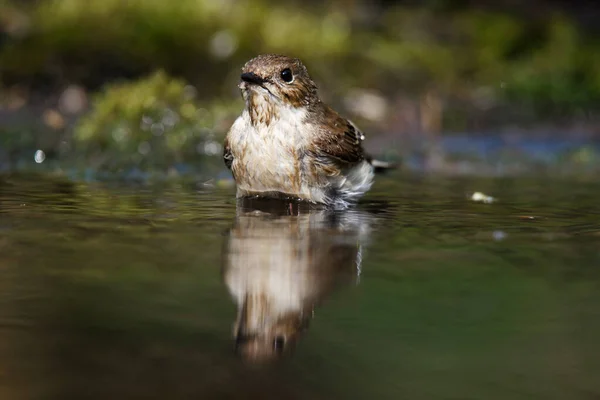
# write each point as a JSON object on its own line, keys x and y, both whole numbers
{"x": 289, "y": 144}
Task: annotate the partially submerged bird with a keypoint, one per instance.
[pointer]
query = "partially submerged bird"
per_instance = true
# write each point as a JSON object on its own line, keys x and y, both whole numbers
{"x": 287, "y": 143}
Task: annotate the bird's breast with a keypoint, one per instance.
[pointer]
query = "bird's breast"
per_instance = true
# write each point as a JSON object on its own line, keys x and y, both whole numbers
{"x": 269, "y": 157}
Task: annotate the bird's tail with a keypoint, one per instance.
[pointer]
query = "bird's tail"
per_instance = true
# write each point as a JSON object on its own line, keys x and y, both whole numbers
{"x": 382, "y": 166}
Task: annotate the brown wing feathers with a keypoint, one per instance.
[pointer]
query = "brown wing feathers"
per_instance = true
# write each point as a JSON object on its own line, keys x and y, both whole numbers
{"x": 227, "y": 156}
{"x": 340, "y": 141}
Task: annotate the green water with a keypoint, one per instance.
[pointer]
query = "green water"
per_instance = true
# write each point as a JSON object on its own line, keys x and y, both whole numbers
{"x": 112, "y": 292}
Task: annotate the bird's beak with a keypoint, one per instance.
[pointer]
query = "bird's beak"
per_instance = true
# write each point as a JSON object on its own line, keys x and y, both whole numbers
{"x": 251, "y": 77}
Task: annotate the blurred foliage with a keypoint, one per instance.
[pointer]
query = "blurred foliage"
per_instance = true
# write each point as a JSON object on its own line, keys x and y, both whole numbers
{"x": 161, "y": 76}
{"x": 151, "y": 123}
{"x": 485, "y": 59}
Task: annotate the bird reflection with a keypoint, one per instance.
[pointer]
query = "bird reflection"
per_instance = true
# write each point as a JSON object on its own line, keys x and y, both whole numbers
{"x": 280, "y": 261}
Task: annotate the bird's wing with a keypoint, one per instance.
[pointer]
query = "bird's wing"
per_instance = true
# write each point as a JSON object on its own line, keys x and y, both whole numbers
{"x": 339, "y": 142}
{"x": 227, "y": 155}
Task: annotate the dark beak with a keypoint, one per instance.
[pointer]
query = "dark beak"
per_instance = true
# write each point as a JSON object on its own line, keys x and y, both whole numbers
{"x": 251, "y": 77}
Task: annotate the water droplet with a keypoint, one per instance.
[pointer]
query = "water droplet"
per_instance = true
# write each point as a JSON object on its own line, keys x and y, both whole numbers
{"x": 39, "y": 156}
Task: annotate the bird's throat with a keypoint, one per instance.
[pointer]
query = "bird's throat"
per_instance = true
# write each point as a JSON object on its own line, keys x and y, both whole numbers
{"x": 262, "y": 109}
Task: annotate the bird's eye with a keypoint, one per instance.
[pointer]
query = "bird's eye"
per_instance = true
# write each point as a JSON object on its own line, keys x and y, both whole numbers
{"x": 287, "y": 75}
{"x": 278, "y": 344}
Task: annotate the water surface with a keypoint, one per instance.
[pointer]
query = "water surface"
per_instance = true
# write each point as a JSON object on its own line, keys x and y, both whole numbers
{"x": 175, "y": 291}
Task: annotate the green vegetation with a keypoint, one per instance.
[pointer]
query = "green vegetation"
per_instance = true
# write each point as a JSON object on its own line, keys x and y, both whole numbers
{"x": 162, "y": 76}
{"x": 478, "y": 57}
{"x": 154, "y": 123}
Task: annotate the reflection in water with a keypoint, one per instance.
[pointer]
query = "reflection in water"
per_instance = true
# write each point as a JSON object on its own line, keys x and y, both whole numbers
{"x": 280, "y": 261}
{"x": 112, "y": 293}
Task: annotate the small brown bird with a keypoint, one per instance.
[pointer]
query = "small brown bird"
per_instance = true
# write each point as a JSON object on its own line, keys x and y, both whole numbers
{"x": 287, "y": 143}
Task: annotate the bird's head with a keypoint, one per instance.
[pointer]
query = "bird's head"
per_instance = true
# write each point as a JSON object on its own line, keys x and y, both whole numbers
{"x": 270, "y": 82}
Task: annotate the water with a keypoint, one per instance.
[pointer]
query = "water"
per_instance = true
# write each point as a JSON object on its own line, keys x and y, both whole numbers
{"x": 175, "y": 292}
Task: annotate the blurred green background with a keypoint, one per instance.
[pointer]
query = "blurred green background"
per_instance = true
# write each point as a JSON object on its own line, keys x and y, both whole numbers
{"x": 143, "y": 87}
